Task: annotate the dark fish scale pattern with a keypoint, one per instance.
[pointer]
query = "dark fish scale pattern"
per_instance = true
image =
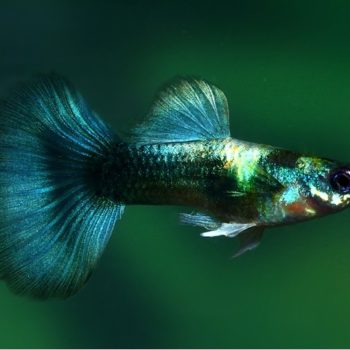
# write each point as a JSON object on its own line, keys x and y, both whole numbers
{"x": 159, "y": 173}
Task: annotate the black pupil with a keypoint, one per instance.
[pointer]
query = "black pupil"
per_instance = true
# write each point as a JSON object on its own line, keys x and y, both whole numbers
{"x": 340, "y": 180}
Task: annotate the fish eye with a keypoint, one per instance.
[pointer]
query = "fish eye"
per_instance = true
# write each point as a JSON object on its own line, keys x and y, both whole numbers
{"x": 340, "y": 180}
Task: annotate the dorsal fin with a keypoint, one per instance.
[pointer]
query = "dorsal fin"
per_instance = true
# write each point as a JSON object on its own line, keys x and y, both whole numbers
{"x": 187, "y": 110}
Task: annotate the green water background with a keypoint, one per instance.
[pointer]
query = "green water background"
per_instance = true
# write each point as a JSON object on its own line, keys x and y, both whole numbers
{"x": 284, "y": 66}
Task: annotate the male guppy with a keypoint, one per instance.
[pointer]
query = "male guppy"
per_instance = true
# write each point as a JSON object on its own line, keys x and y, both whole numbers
{"x": 65, "y": 179}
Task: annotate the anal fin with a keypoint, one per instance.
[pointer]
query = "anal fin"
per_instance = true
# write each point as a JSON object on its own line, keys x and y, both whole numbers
{"x": 228, "y": 230}
{"x": 215, "y": 227}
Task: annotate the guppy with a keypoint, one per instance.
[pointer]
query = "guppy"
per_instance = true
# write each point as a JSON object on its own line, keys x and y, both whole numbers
{"x": 65, "y": 179}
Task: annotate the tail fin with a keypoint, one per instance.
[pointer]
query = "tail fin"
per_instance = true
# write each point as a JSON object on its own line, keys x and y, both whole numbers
{"x": 53, "y": 225}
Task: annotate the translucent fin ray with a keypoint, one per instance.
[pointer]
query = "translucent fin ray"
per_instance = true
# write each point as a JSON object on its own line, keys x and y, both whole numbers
{"x": 228, "y": 230}
{"x": 249, "y": 240}
{"x": 200, "y": 220}
{"x": 187, "y": 110}
{"x": 215, "y": 227}
{"x": 54, "y": 226}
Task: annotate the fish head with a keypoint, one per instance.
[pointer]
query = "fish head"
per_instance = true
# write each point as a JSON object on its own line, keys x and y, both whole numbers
{"x": 315, "y": 187}
{"x": 326, "y": 183}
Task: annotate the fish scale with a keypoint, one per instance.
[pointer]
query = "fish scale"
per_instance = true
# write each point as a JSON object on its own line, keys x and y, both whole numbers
{"x": 166, "y": 169}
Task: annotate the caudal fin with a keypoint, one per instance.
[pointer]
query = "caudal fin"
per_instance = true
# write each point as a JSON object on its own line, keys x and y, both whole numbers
{"x": 53, "y": 224}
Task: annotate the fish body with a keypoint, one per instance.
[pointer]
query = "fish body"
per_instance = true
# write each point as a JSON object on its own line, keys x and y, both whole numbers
{"x": 66, "y": 177}
{"x": 235, "y": 181}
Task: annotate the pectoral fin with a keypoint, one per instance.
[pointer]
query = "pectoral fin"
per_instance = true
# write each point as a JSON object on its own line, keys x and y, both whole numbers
{"x": 264, "y": 182}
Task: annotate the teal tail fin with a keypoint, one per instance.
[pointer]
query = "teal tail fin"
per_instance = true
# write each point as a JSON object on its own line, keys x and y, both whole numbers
{"x": 53, "y": 224}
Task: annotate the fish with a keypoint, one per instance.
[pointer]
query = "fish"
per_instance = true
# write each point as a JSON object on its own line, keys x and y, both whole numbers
{"x": 66, "y": 178}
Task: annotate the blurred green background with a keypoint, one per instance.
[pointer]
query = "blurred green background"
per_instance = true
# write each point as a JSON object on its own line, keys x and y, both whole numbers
{"x": 284, "y": 66}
